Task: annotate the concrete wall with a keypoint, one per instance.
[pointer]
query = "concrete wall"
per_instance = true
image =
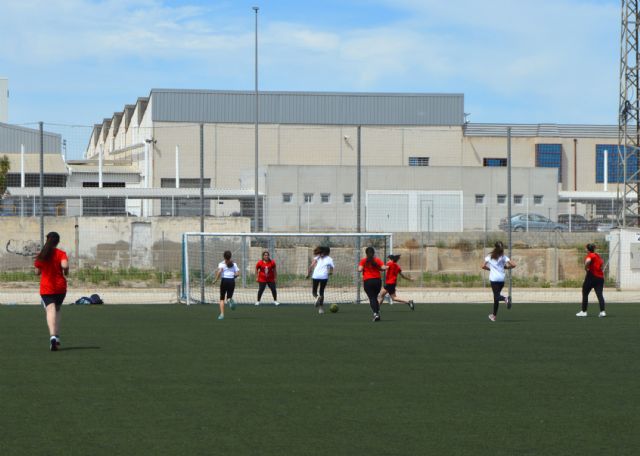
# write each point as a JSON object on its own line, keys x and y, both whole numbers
{"x": 107, "y": 242}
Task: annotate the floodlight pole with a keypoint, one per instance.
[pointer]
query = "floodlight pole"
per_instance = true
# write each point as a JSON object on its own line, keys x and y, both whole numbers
{"x": 256, "y": 180}
{"x": 509, "y": 197}
{"x": 41, "y": 135}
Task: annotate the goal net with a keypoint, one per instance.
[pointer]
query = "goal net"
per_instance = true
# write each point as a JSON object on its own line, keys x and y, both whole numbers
{"x": 292, "y": 252}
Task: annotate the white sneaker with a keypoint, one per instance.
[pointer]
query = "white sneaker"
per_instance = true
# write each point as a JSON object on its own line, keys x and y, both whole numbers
{"x": 320, "y": 310}
{"x": 257, "y": 303}
{"x": 492, "y": 317}
{"x": 276, "y": 303}
{"x": 602, "y": 314}
{"x": 582, "y": 313}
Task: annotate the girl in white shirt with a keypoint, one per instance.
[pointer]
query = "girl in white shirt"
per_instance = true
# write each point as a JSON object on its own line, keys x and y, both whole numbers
{"x": 496, "y": 263}
{"x": 322, "y": 267}
{"x": 228, "y": 270}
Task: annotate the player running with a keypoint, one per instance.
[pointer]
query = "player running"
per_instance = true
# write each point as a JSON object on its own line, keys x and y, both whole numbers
{"x": 391, "y": 278}
{"x": 594, "y": 279}
{"x": 496, "y": 263}
{"x": 228, "y": 270}
{"x": 52, "y": 265}
{"x": 370, "y": 266}
{"x": 320, "y": 269}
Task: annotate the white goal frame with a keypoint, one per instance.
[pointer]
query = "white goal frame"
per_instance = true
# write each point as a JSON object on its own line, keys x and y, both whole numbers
{"x": 187, "y": 288}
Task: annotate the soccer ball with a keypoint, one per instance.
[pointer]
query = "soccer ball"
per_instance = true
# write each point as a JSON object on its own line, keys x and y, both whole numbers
{"x": 333, "y": 308}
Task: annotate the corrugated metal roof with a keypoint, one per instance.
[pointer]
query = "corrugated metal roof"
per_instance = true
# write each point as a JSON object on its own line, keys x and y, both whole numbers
{"x": 12, "y": 136}
{"x": 309, "y": 108}
{"x": 542, "y": 130}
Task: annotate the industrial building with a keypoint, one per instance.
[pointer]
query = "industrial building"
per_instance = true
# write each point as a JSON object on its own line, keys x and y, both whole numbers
{"x": 417, "y": 154}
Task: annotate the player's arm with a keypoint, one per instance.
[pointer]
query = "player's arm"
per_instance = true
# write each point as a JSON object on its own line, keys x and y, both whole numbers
{"x": 257, "y": 271}
{"x": 311, "y": 266}
{"x": 218, "y": 272}
{"x": 405, "y": 276}
{"x": 587, "y": 263}
{"x": 485, "y": 266}
{"x": 65, "y": 267}
{"x": 236, "y": 274}
{"x": 509, "y": 265}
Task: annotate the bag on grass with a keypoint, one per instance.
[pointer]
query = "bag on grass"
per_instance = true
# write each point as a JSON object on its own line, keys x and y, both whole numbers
{"x": 96, "y": 299}
{"x": 83, "y": 300}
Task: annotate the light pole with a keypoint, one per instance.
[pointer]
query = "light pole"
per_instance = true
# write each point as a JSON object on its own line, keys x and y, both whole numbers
{"x": 255, "y": 196}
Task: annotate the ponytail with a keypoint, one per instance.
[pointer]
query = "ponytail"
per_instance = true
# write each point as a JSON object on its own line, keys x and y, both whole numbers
{"x": 370, "y": 252}
{"x": 53, "y": 239}
{"x": 227, "y": 258}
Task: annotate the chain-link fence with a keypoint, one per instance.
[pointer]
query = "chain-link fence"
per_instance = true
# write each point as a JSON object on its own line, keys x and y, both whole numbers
{"x": 122, "y": 193}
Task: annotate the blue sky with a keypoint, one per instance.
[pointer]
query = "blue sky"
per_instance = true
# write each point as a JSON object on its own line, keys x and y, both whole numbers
{"x": 518, "y": 61}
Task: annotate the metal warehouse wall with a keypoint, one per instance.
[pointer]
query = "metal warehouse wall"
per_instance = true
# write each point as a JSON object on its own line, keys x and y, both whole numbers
{"x": 308, "y": 108}
{"x": 12, "y": 136}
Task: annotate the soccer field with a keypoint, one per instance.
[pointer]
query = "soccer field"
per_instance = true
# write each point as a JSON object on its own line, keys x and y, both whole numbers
{"x": 443, "y": 380}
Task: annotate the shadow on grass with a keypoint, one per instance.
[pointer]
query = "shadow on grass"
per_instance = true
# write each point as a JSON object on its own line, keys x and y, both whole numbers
{"x": 78, "y": 348}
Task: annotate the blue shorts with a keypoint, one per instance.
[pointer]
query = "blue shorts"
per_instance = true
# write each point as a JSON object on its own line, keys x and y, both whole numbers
{"x": 56, "y": 299}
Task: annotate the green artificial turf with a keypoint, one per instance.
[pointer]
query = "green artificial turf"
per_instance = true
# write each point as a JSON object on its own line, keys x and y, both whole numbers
{"x": 443, "y": 380}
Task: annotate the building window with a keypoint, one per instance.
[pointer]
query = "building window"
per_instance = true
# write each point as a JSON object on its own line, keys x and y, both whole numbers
{"x": 418, "y": 161}
{"x": 325, "y": 197}
{"x": 479, "y": 199}
{"x": 287, "y": 197}
{"x": 614, "y": 164}
{"x": 501, "y": 199}
{"x": 347, "y": 197}
{"x": 549, "y": 156}
{"x": 494, "y": 162}
{"x": 538, "y": 199}
{"x": 308, "y": 197}
{"x": 517, "y": 199}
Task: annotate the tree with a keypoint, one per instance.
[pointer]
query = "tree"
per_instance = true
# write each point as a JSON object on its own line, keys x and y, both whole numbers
{"x": 5, "y": 165}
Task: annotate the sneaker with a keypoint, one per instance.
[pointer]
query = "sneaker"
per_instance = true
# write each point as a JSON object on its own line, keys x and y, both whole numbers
{"x": 582, "y": 313}
{"x": 376, "y": 317}
{"x": 232, "y": 304}
{"x": 221, "y": 317}
{"x": 509, "y": 302}
{"x": 53, "y": 344}
{"x": 257, "y": 303}
{"x": 492, "y": 317}
{"x": 320, "y": 310}
{"x": 58, "y": 342}
{"x": 602, "y": 314}
{"x": 276, "y": 303}
{"x": 411, "y": 305}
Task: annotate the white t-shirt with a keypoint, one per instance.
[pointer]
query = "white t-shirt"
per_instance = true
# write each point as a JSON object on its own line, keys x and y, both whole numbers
{"x": 323, "y": 264}
{"x": 496, "y": 268}
{"x": 228, "y": 272}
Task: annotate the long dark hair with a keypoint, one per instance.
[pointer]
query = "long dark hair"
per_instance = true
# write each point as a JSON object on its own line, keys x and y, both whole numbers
{"x": 591, "y": 248}
{"x": 53, "y": 239}
{"x": 498, "y": 250}
{"x": 227, "y": 258}
{"x": 371, "y": 253}
{"x": 394, "y": 258}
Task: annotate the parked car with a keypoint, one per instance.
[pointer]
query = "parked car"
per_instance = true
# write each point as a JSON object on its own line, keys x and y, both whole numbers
{"x": 577, "y": 222}
{"x": 604, "y": 225}
{"x": 531, "y": 222}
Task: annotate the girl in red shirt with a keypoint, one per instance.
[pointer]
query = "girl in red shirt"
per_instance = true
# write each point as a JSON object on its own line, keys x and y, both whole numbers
{"x": 370, "y": 266}
{"x": 52, "y": 265}
{"x": 266, "y": 277}
{"x": 594, "y": 279}
{"x": 391, "y": 278}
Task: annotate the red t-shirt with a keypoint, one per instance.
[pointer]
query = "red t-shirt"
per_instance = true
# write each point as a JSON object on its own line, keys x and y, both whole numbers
{"x": 52, "y": 279}
{"x": 369, "y": 271}
{"x": 266, "y": 271}
{"x": 393, "y": 269}
{"x": 595, "y": 267}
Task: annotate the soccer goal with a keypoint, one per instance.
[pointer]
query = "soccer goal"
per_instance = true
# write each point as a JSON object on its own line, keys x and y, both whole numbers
{"x": 292, "y": 252}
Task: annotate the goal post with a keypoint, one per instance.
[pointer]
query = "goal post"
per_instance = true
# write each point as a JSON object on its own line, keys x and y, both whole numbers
{"x": 292, "y": 252}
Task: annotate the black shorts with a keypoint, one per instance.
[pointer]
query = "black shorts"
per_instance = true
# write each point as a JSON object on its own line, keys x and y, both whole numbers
{"x": 56, "y": 299}
{"x": 226, "y": 288}
{"x": 390, "y": 287}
